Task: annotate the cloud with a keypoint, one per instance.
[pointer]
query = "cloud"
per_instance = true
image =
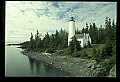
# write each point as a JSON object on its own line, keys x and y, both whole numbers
{"x": 24, "y": 17}
{"x": 55, "y": 4}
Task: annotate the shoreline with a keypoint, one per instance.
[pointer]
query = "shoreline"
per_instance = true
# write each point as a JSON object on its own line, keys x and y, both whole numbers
{"x": 76, "y": 67}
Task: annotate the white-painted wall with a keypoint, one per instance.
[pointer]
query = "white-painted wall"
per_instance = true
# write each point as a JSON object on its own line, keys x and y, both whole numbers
{"x": 84, "y": 40}
{"x": 71, "y": 30}
{"x": 82, "y": 44}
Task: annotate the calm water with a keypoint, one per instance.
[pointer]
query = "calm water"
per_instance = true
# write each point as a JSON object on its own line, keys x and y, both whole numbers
{"x": 19, "y": 65}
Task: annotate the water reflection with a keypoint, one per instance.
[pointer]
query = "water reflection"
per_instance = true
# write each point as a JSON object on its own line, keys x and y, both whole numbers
{"x": 31, "y": 61}
{"x": 43, "y": 69}
{"x": 17, "y": 64}
{"x": 37, "y": 66}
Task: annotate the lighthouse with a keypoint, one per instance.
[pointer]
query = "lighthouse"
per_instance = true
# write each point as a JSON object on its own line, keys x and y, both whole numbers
{"x": 71, "y": 29}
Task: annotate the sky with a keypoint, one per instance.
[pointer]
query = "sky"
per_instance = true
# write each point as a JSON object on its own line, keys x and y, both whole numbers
{"x": 24, "y": 17}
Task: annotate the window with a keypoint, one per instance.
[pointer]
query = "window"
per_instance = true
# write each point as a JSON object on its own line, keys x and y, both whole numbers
{"x": 79, "y": 42}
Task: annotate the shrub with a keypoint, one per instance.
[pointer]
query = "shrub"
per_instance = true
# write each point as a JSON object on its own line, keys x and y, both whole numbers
{"x": 76, "y": 54}
{"x": 85, "y": 46}
{"x": 94, "y": 53}
{"x": 84, "y": 54}
{"x": 105, "y": 67}
{"x": 98, "y": 57}
{"x": 50, "y": 50}
{"x": 67, "y": 52}
{"x": 89, "y": 45}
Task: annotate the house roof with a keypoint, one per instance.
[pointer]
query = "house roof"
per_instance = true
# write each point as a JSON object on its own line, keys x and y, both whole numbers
{"x": 78, "y": 36}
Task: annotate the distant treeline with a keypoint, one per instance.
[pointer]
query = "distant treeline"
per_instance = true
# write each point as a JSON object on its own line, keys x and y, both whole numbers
{"x": 59, "y": 40}
{"x": 13, "y": 44}
{"x": 49, "y": 42}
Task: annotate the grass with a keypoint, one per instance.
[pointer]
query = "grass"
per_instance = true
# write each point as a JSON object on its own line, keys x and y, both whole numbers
{"x": 99, "y": 46}
{"x": 89, "y": 50}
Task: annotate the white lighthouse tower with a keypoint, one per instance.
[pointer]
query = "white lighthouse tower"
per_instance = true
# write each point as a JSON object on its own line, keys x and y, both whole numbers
{"x": 71, "y": 29}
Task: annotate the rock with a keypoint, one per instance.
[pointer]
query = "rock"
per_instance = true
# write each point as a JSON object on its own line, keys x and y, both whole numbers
{"x": 92, "y": 64}
{"x": 74, "y": 66}
{"x": 112, "y": 72}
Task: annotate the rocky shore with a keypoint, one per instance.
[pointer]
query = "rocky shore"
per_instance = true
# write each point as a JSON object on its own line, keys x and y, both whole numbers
{"x": 75, "y": 66}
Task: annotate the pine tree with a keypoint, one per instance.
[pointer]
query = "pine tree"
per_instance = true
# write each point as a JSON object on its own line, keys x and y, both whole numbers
{"x": 52, "y": 41}
{"x": 91, "y": 32}
{"x": 71, "y": 47}
{"x": 108, "y": 28}
{"x": 57, "y": 39}
{"x": 113, "y": 30}
{"x": 63, "y": 39}
{"x": 31, "y": 38}
{"x": 46, "y": 40}
{"x": 101, "y": 35}
{"x": 74, "y": 45}
{"x": 86, "y": 30}
{"x": 95, "y": 34}
{"x": 32, "y": 43}
{"x": 37, "y": 39}
{"x": 83, "y": 30}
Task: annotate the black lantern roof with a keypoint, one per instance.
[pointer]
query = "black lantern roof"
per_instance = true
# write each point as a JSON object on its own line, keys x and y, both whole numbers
{"x": 72, "y": 19}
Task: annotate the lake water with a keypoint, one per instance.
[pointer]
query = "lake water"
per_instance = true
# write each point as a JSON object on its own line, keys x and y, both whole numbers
{"x": 19, "y": 65}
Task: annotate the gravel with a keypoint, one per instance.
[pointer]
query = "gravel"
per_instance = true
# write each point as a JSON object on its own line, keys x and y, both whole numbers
{"x": 77, "y": 67}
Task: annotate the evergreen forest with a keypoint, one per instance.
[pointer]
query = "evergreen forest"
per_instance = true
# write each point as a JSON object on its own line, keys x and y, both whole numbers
{"x": 102, "y": 49}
